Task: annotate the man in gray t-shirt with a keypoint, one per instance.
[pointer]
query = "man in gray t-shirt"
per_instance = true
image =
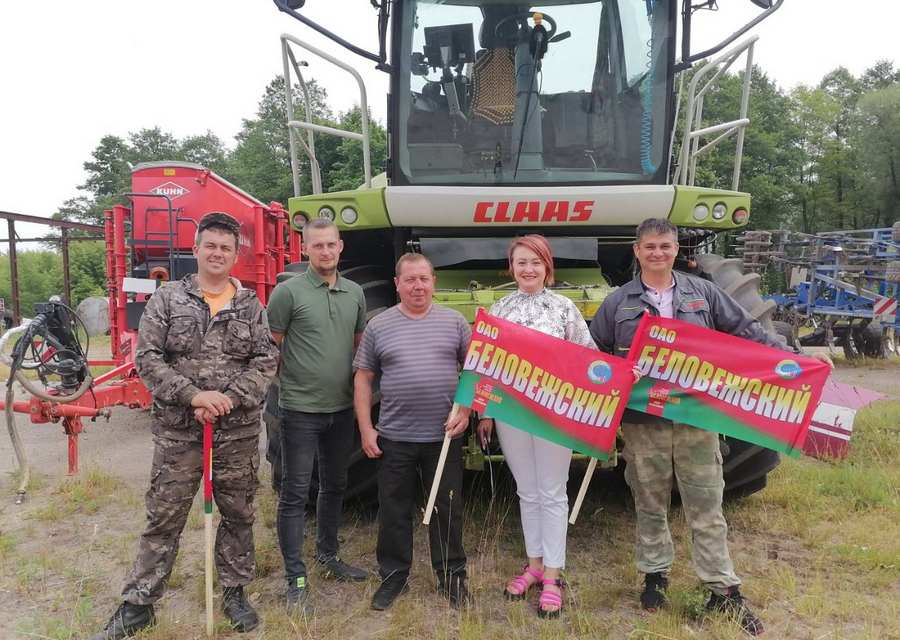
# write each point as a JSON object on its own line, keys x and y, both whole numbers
{"x": 417, "y": 348}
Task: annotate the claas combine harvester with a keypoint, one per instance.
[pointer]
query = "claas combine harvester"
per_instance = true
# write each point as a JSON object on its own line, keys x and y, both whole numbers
{"x": 503, "y": 117}
{"x": 507, "y": 117}
{"x": 149, "y": 241}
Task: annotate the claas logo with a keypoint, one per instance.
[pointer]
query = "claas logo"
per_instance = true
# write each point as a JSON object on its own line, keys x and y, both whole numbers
{"x": 517, "y": 211}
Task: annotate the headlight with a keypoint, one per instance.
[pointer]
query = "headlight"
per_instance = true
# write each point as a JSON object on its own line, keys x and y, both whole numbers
{"x": 300, "y": 219}
{"x": 719, "y": 210}
{"x": 701, "y": 211}
{"x": 326, "y": 212}
{"x": 740, "y": 216}
{"x": 349, "y": 215}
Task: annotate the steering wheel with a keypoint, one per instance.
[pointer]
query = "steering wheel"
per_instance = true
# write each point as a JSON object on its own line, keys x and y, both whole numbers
{"x": 522, "y": 20}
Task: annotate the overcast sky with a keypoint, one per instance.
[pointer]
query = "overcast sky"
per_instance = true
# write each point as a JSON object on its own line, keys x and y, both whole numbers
{"x": 72, "y": 72}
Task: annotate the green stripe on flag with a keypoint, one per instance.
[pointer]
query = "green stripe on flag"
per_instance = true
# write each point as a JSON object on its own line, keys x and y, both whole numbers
{"x": 692, "y": 410}
{"x": 518, "y": 415}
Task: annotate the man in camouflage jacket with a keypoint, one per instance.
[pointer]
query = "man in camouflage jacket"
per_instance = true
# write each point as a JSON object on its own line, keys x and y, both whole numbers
{"x": 205, "y": 353}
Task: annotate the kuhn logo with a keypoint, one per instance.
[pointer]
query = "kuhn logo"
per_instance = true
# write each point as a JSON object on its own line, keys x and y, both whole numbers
{"x": 169, "y": 189}
{"x": 533, "y": 211}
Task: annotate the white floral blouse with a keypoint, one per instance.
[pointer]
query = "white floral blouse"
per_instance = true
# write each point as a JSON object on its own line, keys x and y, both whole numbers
{"x": 547, "y": 312}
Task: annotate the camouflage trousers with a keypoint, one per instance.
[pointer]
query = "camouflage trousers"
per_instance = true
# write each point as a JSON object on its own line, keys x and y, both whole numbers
{"x": 174, "y": 479}
{"x": 655, "y": 452}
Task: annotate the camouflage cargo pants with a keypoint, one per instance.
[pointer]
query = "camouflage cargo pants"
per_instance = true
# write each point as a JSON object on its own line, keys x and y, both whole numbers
{"x": 174, "y": 480}
{"x": 655, "y": 452}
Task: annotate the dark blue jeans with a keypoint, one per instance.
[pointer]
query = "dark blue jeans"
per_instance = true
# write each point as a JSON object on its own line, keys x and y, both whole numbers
{"x": 304, "y": 438}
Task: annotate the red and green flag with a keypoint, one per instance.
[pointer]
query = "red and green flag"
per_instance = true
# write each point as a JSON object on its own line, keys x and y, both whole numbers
{"x": 725, "y": 384}
{"x": 551, "y": 388}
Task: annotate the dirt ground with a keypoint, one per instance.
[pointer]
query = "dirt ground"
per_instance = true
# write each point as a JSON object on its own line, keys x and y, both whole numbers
{"x": 70, "y": 544}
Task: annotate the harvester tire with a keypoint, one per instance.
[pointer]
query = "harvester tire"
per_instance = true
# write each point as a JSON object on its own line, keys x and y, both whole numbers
{"x": 745, "y": 466}
{"x": 379, "y": 292}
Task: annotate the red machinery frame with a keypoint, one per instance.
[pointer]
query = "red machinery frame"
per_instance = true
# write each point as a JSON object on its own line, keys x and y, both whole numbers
{"x": 122, "y": 386}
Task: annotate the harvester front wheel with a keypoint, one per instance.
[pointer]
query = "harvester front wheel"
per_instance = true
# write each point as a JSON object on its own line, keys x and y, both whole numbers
{"x": 378, "y": 289}
{"x": 745, "y": 466}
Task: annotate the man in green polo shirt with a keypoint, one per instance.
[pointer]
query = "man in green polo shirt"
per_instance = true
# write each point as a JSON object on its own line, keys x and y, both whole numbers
{"x": 317, "y": 319}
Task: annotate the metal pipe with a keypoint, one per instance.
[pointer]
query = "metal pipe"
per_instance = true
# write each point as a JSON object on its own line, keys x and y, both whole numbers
{"x": 353, "y": 135}
{"x": 67, "y": 280}
{"x": 120, "y": 257}
{"x": 22, "y": 217}
{"x": 111, "y": 285}
{"x": 14, "y": 272}
{"x": 745, "y": 104}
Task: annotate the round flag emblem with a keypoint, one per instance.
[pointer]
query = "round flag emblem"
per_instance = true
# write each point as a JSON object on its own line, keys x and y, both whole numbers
{"x": 599, "y": 372}
{"x": 788, "y": 369}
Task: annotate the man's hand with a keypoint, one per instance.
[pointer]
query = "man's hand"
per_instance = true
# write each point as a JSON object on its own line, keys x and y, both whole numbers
{"x": 203, "y": 415}
{"x": 457, "y": 421}
{"x": 215, "y": 402}
{"x": 369, "y": 438}
{"x": 823, "y": 357}
{"x": 636, "y": 372}
{"x": 485, "y": 428}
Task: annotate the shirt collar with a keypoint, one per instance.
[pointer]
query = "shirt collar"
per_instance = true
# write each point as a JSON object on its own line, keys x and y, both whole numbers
{"x": 317, "y": 280}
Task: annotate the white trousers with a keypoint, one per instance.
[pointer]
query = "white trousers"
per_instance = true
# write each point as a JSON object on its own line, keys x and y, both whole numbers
{"x": 541, "y": 470}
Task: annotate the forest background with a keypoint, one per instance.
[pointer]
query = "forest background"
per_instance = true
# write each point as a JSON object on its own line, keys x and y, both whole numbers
{"x": 823, "y": 157}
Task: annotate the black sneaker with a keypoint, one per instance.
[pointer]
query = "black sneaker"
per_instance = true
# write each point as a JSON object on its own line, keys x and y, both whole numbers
{"x": 735, "y": 605}
{"x": 340, "y": 570}
{"x": 127, "y": 621}
{"x": 454, "y": 589}
{"x": 297, "y": 594}
{"x": 653, "y": 596}
{"x": 240, "y": 613}
{"x": 391, "y": 588}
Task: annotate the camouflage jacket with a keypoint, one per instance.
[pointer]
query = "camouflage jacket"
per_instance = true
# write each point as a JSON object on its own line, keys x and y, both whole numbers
{"x": 181, "y": 351}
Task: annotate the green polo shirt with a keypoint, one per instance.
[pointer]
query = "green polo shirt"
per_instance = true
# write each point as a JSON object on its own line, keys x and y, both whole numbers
{"x": 319, "y": 324}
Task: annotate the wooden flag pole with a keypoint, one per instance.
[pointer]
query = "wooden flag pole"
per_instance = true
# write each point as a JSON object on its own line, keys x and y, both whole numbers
{"x": 208, "y": 522}
{"x": 583, "y": 490}
{"x": 442, "y": 460}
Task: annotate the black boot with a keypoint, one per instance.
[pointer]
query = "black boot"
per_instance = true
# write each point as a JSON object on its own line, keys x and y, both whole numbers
{"x": 297, "y": 595}
{"x": 453, "y": 587}
{"x": 340, "y": 570}
{"x": 734, "y": 604}
{"x": 654, "y": 594}
{"x": 127, "y": 621}
{"x": 241, "y": 615}
{"x": 390, "y": 589}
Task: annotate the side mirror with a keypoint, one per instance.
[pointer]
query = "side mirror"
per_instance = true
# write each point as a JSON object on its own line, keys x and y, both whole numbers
{"x": 762, "y": 4}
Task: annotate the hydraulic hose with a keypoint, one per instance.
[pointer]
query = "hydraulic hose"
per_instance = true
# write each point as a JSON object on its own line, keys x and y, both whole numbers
{"x": 17, "y": 444}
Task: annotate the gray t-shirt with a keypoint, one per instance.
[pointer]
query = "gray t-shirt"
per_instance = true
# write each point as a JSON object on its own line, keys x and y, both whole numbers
{"x": 419, "y": 362}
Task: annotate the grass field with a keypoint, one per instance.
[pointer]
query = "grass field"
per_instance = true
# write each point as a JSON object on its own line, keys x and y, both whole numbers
{"x": 818, "y": 550}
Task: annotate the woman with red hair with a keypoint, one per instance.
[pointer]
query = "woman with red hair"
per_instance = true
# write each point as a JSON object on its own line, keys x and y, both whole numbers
{"x": 540, "y": 467}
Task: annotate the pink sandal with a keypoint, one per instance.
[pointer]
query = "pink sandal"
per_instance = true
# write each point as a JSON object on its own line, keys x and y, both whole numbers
{"x": 521, "y": 584}
{"x": 551, "y": 599}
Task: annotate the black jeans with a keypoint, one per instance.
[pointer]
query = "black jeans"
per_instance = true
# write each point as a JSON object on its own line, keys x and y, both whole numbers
{"x": 303, "y": 436}
{"x": 405, "y": 469}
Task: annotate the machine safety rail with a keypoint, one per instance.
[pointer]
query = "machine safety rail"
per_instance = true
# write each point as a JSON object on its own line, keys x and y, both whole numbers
{"x": 290, "y": 62}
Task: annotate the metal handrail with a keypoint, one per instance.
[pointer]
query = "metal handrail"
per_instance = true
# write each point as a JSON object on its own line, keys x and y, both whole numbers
{"x": 310, "y": 127}
{"x": 691, "y": 148}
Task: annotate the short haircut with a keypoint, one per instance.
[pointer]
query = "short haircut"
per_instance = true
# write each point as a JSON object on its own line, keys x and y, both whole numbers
{"x": 656, "y": 226}
{"x": 220, "y": 221}
{"x": 412, "y": 257}
{"x": 540, "y": 246}
{"x": 319, "y": 223}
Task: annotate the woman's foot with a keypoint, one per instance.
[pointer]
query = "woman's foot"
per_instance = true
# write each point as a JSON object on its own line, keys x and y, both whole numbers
{"x": 518, "y": 587}
{"x": 550, "y": 603}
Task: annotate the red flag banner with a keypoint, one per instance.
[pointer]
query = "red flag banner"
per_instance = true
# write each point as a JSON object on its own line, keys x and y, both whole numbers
{"x": 725, "y": 384}
{"x": 551, "y": 388}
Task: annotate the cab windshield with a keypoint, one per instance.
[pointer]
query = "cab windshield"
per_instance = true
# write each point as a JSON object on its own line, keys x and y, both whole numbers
{"x": 478, "y": 106}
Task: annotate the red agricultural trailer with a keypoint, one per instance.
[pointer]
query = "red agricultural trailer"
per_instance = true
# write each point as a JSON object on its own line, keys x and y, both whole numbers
{"x": 147, "y": 243}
